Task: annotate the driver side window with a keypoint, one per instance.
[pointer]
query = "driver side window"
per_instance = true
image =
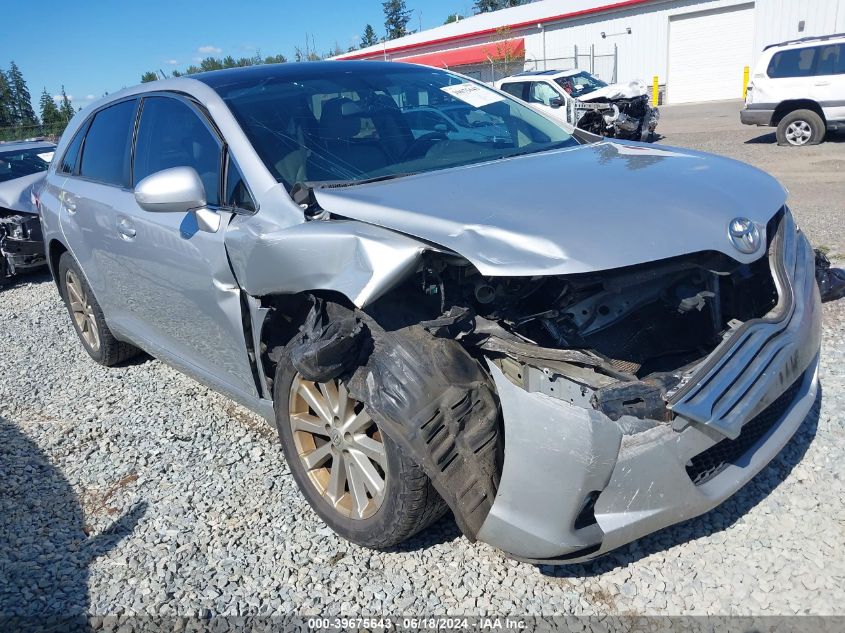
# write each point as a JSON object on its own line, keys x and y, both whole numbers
{"x": 171, "y": 134}
{"x": 541, "y": 92}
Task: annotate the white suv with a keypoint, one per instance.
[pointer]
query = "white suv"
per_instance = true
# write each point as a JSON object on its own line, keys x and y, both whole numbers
{"x": 799, "y": 87}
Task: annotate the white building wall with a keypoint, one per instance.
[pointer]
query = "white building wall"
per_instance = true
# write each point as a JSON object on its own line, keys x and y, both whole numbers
{"x": 644, "y": 52}
{"x": 778, "y": 20}
{"x": 641, "y": 55}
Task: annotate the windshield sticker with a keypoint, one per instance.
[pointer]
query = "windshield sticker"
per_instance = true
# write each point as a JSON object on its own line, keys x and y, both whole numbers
{"x": 473, "y": 94}
{"x": 46, "y": 156}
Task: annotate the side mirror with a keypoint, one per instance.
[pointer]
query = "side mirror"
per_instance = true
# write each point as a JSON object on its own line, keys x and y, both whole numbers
{"x": 556, "y": 102}
{"x": 173, "y": 190}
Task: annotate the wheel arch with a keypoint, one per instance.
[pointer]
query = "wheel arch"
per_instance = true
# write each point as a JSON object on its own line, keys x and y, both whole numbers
{"x": 285, "y": 313}
{"x": 785, "y": 107}
{"x": 55, "y": 250}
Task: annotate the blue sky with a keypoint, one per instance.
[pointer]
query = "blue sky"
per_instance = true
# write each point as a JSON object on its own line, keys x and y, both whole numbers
{"x": 97, "y": 46}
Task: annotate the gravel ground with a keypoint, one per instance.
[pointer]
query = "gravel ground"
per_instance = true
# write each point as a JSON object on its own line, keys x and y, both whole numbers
{"x": 134, "y": 490}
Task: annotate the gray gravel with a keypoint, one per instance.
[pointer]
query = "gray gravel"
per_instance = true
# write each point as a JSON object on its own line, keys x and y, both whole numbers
{"x": 134, "y": 490}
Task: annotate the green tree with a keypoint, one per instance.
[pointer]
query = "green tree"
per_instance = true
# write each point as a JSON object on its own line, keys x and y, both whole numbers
{"x": 485, "y": 6}
{"x": 66, "y": 109}
{"x": 369, "y": 38}
{"x": 211, "y": 63}
{"x": 21, "y": 99}
{"x": 229, "y": 62}
{"x": 454, "y": 17}
{"x": 396, "y": 18}
{"x": 148, "y": 76}
{"x": 275, "y": 59}
{"x": 7, "y": 106}
{"x": 51, "y": 118}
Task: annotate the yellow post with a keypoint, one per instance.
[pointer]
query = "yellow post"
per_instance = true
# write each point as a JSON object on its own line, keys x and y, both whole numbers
{"x": 744, "y": 81}
{"x": 655, "y": 93}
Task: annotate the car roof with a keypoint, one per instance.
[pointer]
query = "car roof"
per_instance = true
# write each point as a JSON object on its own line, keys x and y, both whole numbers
{"x": 548, "y": 74}
{"x": 25, "y": 145}
{"x": 217, "y": 79}
{"x": 814, "y": 39}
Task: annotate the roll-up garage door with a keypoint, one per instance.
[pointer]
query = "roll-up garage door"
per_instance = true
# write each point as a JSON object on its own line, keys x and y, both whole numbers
{"x": 707, "y": 53}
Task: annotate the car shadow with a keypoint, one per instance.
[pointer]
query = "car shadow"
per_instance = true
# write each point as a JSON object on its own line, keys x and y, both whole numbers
{"x": 720, "y": 518}
{"x": 444, "y": 530}
{"x": 770, "y": 138}
{"x": 45, "y": 553}
{"x": 37, "y": 276}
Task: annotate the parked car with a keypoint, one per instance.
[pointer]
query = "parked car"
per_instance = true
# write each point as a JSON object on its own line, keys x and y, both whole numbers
{"x": 505, "y": 330}
{"x": 799, "y": 88}
{"x": 582, "y": 99}
{"x": 23, "y": 166}
{"x": 458, "y": 122}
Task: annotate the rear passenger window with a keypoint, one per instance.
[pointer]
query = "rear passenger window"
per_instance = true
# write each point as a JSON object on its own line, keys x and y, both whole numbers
{"x": 831, "y": 60}
{"x": 171, "y": 134}
{"x": 798, "y": 62}
{"x": 515, "y": 89}
{"x": 69, "y": 160}
{"x": 105, "y": 154}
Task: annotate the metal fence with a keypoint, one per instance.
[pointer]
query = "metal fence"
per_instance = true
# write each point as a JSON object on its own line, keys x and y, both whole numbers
{"x": 602, "y": 64}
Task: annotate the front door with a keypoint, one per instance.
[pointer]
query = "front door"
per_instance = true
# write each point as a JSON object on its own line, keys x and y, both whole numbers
{"x": 180, "y": 296}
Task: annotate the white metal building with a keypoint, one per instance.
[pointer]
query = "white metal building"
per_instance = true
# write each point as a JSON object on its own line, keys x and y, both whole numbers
{"x": 698, "y": 49}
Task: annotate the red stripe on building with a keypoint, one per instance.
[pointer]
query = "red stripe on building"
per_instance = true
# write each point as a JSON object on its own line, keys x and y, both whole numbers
{"x": 512, "y": 49}
{"x": 518, "y": 25}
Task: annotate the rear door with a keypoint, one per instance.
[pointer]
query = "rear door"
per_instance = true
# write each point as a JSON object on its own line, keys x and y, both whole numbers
{"x": 179, "y": 297}
{"x": 97, "y": 185}
{"x": 829, "y": 81}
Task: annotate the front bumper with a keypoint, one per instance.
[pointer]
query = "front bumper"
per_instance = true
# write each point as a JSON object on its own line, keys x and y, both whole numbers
{"x": 561, "y": 459}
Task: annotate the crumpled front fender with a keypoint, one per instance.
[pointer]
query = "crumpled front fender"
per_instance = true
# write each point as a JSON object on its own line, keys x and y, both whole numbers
{"x": 360, "y": 261}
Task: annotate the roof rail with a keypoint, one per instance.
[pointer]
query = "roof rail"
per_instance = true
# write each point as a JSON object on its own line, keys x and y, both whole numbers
{"x": 814, "y": 38}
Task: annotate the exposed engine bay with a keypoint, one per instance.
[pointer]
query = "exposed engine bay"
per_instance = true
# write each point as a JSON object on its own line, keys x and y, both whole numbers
{"x": 617, "y": 342}
{"x": 627, "y": 118}
{"x": 21, "y": 243}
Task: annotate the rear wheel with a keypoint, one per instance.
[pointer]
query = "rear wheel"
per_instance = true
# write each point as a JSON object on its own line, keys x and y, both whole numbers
{"x": 87, "y": 316}
{"x": 801, "y": 127}
{"x": 355, "y": 478}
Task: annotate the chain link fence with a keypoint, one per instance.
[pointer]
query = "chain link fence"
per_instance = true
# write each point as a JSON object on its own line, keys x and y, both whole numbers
{"x": 601, "y": 63}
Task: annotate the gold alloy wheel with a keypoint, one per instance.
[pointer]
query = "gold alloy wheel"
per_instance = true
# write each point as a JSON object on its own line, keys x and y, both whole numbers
{"x": 339, "y": 445}
{"x": 83, "y": 313}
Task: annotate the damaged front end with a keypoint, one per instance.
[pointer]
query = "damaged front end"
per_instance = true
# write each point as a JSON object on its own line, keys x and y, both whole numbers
{"x": 21, "y": 243}
{"x": 562, "y": 416}
{"x": 626, "y": 118}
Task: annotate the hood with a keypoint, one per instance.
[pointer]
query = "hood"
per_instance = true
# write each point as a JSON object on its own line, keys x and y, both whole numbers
{"x": 16, "y": 194}
{"x": 581, "y": 209}
{"x": 616, "y": 91}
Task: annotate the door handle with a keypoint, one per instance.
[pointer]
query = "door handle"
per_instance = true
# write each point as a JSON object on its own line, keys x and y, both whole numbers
{"x": 126, "y": 228}
{"x": 822, "y": 83}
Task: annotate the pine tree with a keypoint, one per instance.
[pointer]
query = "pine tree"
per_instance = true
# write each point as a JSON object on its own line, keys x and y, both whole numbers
{"x": 485, "y": 6}
{"x": 7, "y": 106}
{"x": 50, "y": 115}
{"x": 396, "y": 18}
{"x": 66, "y": 110}
{"x": 370, "y": 38}
{"x": 148, "y": 76}
{"x": 21, "y": 99}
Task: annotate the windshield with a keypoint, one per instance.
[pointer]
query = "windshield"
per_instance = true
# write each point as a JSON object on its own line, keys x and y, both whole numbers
{"x": 15, "y": 164}
{"x": 580, "y": 84}
{"x": 339, "y": 125}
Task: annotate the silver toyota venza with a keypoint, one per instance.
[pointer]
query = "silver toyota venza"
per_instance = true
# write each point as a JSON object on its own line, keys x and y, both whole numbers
{"x": 567, "y": 342}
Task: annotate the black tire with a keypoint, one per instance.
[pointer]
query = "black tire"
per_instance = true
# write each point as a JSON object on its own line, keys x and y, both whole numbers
{"x": 790, "y": 128}
{"x": 410, "y": 501}
{"x": 109, "y": 351}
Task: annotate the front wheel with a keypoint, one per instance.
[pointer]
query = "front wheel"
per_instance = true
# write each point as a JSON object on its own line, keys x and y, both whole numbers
{"x": 802, "y": 127}
{"x": 355, "y": 478}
